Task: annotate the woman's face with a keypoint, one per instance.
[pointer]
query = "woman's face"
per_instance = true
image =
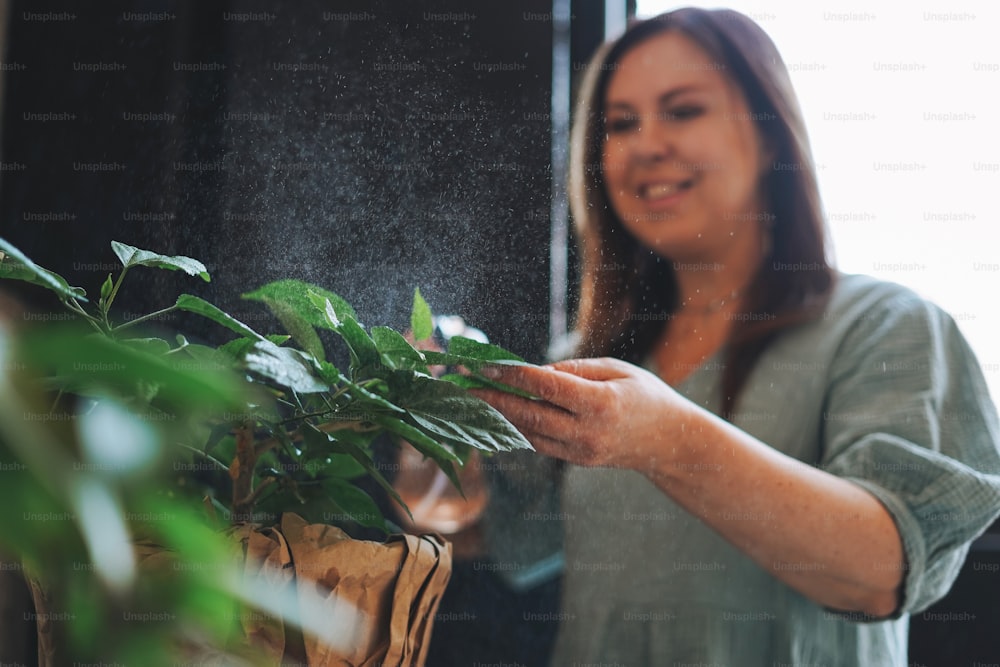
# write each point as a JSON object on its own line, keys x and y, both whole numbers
{"x": 681, "y": 158}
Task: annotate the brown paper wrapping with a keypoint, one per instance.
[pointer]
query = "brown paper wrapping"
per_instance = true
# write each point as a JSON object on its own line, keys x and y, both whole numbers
{"x": 396, "y": 586}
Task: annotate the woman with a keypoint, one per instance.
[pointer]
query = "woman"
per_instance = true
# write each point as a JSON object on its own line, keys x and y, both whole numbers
{"x": 773, "y": 463}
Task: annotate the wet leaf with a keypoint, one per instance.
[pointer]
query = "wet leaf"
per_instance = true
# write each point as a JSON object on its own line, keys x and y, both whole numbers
{"x": 353, "y": 503}
{"x": 300, "y": 329}
{"x": 88, "y": 362}
{"x": 344, "y": 443}
{"x": 295, "y": 296}
{"x": 237, "y": 347}
{"x": 155, "y": 346}
{"x": 444, "y": 457}
{"x": 106, "y": 288}
{"x": 396, "y": 351}
{"x": 288, "y": 367}
{"x": 472, "y": 354}
{"x": 473, "y": 349}
{"x": 15, "y": 265}
{"x": 131, "y": 256}
{"x": 421, "y": 320}
{"x": 451, "y": 414}
{"x": 194, "y": 304}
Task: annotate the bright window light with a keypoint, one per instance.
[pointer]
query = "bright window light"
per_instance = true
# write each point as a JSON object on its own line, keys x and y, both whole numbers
{"x": 899, "y": 104}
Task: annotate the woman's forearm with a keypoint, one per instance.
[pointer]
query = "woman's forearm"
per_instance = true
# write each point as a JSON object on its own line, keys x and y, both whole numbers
{"x": 825, "y": 537}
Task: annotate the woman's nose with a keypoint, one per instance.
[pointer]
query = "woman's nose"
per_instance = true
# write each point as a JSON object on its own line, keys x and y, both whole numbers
{"x": 652, "y": 142}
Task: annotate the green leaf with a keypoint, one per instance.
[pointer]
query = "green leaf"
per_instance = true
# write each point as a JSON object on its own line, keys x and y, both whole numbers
{"x": 330, "y": 373}
{"x": 131, "y": 256}
{"x": 194, "y": 304}
{"x": 344, "y": 443}
{"x": 472, "y": 355}
{"x": 421, "y": 320}
{"x": 295, "y": 295}
{"x": 85, "y": 603}
{"x": 472, "y": 349}
{"x": 477, "y": 381}
{"x": 209, "y": 357}
{"x": 343, "y": 466}
{"x": 210, "y": 609}
{"x": 396, "y": 351}
{"x": 330, "y": 318}
{"x": 191, "y": 537}
{"x": 154, "y": 346}
{"x": 364, "y": 354}
{"x": 357, "y": 505}
{"x": 217, "y": 433}
{"x": 299, "y": 327}
{"x": 451, "y": 414}
{"x": 288, "y": 367}
{"x": 106, "y": 288}
{"x": 15, "y": 265}
{"x": 362, "y": 399}
{"x": 90, "y": 361}
{"x": 237, "y": 347}
{"x": 444, "y": 457}
{"x": 28, "y": 490}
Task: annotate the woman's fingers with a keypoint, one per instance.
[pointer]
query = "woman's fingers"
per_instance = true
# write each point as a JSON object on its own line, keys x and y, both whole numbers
{"x": 601, "y": 369}
{"x": 552, "y": 430}
{"x": 589, "y": 412}
{"x": 555, "y": 386}
{"x": 550, "y": 444}
{"x": 525, "y": 413}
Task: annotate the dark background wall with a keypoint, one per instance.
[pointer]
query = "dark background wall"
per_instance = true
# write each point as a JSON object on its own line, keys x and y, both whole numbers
{"x": 367, "y": 147}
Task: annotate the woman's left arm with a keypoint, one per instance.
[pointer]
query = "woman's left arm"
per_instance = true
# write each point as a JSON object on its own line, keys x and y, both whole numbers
{"x": 826, "y": 537}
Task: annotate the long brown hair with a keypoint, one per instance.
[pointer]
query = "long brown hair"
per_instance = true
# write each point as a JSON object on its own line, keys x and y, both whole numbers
{"x": 628, "y": 293}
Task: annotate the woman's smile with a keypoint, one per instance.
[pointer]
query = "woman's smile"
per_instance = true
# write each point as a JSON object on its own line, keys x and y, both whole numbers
{"x": 658, "y": 194}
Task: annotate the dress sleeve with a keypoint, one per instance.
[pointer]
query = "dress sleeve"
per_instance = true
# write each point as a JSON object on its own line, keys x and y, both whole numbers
{"x": 908, "y": 417}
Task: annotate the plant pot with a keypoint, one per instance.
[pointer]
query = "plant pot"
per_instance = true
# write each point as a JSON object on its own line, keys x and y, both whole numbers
{"x": 380, "y": 597}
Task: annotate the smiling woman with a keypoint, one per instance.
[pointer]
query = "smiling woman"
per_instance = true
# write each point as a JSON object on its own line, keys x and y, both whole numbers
{"x": 762, "y": 457}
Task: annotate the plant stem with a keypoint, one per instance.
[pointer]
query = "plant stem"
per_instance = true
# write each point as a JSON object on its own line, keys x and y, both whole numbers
{"x": 363, "y": 384}
{"x": 298, "y": 401}
{"x": 305, "y": 415}
{"x": 346, "y": 425}
{"x": 78, "y": 309}
{"x": 56, "y": 402}
{"x": 114, "y": 291}
{"x": 242, "y": 471}
{"x": 204, "y": 455}
{"x": 255, "y": 496}
{"x": 319, "y": 413}
{"x": 145, "y": 318}
{"x": 325, "y": 427}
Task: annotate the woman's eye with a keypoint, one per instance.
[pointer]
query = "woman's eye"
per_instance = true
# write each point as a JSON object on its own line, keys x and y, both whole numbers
{"x": 620, "y": 124}
{"x": 682, "y": 113}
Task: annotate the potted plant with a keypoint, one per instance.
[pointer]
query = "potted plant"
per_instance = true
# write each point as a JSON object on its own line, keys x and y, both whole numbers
{"x": 172, "y": 498}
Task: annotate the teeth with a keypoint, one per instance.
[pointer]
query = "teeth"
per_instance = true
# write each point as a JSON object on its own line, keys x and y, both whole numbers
{"x": 661, "y": 190}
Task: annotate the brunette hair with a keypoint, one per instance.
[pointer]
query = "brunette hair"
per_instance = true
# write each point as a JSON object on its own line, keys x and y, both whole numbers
{"x": 627, "y": 293}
